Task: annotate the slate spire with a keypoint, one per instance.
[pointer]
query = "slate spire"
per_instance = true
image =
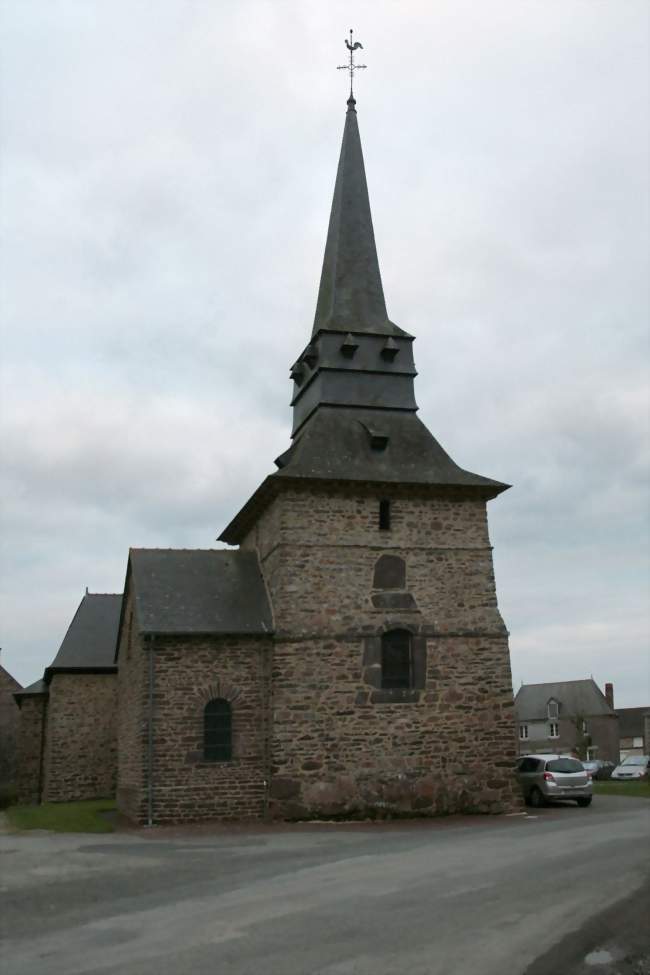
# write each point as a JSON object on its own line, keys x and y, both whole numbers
{"x": 351, "y": 296}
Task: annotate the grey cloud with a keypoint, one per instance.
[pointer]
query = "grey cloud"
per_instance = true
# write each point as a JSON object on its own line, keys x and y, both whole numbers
{"x": 166, "y": 185}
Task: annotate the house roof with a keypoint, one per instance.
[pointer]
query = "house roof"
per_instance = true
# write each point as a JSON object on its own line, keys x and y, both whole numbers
{"x": 192, "y": 591}
{"x": 630, "y": 721}
{"x": 89, "y": 644}
{"x": 575, "y": 697}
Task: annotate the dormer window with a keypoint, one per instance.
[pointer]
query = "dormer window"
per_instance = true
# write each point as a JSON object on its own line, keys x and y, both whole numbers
{"x": 349, "y": 346}
{"x": 553, "y": 709}
{"x": 310, "y": 355}
{"x": 297, "y": 374}
{"x": 389, "y": 350}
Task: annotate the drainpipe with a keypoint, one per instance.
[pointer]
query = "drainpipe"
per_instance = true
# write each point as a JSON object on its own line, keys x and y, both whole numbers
{"x": 150, "y": 707}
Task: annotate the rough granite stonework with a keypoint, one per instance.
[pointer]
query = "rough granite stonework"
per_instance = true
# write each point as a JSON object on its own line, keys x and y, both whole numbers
{"x": 9, "y": 716}
{"x": 31, "y": 741}
{"x": 132, "y": 719}
{"x": 340, "y": 744}
{"x": 187, "y": 673}
{"x": 81, "y": 746}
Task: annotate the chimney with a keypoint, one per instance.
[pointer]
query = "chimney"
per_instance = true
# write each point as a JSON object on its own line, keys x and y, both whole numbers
{"x": 609, "y": 694}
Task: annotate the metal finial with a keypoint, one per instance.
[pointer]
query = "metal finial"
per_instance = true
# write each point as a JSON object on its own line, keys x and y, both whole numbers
{"x": 352, "y": 46}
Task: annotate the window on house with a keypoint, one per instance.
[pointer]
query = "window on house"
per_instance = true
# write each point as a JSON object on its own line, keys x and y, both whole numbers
{"x": 523, "y": 731}
{"x": 217, "y": 731}
{"x": 553, "y": 730}
{"x": 384, "y": 515}
{"x": 553, "y": 709}
{"x": 584, "y": 727}
{"x": 396, "y": 659}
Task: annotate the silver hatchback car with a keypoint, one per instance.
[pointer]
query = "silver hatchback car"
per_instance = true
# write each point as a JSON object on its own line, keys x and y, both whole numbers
{"x": 545, "y": 777}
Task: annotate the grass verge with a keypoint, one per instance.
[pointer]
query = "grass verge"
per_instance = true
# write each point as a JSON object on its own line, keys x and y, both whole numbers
{"x": 640, "y": 790}
{"x": 63, "y": 817}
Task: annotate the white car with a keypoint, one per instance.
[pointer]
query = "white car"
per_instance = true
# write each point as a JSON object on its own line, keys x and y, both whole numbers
{"x": 632, "y": 767}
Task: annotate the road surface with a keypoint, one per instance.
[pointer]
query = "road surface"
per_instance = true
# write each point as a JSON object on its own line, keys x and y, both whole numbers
{"x": 462, "y": 896}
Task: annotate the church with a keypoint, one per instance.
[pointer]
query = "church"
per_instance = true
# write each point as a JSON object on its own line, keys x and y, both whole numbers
{"x": 345, "y": 657}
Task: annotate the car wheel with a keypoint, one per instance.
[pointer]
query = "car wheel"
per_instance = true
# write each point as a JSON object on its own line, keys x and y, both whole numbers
{"x": 535, "y": 798}
{"x": 584, "y": 801}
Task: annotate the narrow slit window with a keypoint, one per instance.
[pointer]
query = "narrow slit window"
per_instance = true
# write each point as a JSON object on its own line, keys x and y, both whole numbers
{"x": 217, "y": 731}
{"x": 384, "y": 515}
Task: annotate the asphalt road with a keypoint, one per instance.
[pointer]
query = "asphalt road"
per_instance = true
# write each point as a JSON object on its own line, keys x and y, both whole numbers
{"x": 462, "y": 896}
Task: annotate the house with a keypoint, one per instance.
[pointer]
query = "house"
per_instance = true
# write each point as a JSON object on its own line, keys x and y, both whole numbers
{"x": 634, "y": 731}
{"x": 569, "y": 716}
{"x": 346, "y": 656}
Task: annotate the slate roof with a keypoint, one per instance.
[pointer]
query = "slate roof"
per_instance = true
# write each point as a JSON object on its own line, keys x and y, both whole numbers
{"x": 33, "y": 690}
{"x": 576, "y": 697}
{"x": 351, "y": 296}
{"x": 89, "y": 644}
{"x": 8, "y": 681}
{"x": 630, "y": 721}
{"x": 199, "y": 591}
{"x": 337, "y": 444}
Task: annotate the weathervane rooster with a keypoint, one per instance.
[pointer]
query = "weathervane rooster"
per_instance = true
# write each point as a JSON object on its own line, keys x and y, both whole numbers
{"x": 352, "y": 46}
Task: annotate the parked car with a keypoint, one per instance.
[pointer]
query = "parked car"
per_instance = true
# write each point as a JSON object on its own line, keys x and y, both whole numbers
{"x": 599, "y": 769}
{"x": 632, "y": 767}
{"x": 546, "y": 777}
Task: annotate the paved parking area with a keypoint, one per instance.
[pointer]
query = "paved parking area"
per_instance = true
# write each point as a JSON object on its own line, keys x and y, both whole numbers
{"x": 448, "y": 897}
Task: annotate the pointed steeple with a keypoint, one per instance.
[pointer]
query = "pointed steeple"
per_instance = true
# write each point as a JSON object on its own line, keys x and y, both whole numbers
{"x": 354, "y": 410}
{"x": 351, "y": 296}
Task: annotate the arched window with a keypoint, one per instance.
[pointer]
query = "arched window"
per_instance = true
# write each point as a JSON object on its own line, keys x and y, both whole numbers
{"x": 217, "y": 731}
{"x": 390, "y": 573}
{"x": 396, "y": 659}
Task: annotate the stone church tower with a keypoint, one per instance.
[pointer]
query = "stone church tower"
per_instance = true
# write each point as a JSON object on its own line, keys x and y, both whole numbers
{"x": 390, "y": 688}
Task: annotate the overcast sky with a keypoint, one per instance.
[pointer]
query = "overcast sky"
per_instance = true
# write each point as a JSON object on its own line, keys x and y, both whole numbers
{"x": 167, "y": 175}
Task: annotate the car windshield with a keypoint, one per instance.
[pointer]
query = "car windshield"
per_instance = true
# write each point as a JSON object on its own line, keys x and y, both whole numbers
{"x": 635, "y": 760}
{"x": 564, "y": 765}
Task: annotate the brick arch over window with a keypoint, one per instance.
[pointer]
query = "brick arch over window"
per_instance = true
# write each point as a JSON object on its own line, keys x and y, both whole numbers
{"x": 220, "y": 688}
{"x": 390, "y": 573}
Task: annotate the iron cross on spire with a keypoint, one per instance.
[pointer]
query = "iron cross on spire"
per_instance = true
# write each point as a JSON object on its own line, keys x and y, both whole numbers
{"x": 352, "y": 46}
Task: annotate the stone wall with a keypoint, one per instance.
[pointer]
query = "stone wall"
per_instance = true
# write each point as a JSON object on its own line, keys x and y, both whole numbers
{"x": 187, "y": 673}
{"x": 9, "y": 715}
{"x": 31, "y": 743}
{"x": 132, "y": 720}
{"x": 340, "y": 745}
{"x": 81, "y": 746}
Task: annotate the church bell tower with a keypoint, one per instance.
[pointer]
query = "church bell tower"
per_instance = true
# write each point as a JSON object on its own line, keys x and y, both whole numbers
{"x": 390, "y": 688}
